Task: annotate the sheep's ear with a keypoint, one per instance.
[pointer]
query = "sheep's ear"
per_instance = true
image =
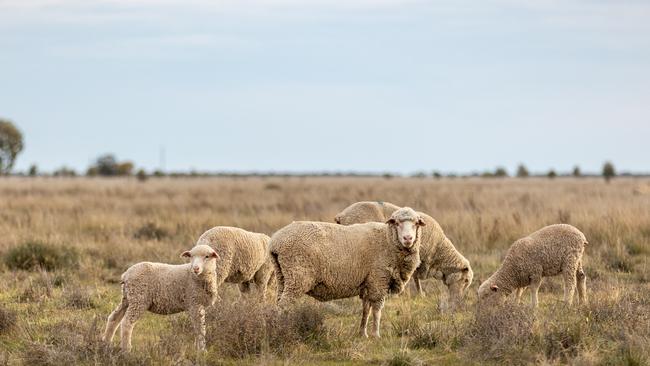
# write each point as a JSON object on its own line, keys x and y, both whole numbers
{"x": 214, "y": 255}
{"x": 420, "y": 222}
{"x": 186, "y": 254}
{"x": 337, "y": 219}
{"x": 494, "y": 288}
{"x": 391, "y": 221}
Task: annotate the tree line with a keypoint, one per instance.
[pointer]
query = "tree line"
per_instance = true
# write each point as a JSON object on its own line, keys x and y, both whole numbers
{"x": 107, "y": 165}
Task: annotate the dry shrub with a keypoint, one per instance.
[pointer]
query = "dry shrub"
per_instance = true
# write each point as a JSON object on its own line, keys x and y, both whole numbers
{"x": 247, "y": 328}
{"x": 564, "y": 338}
{"x": 33, "y": 255}
{"x": 78, "y": 297}
{"x": 7, "y": 320}
{"x": 403, "y": 358}
{"x": 443, "y": 334}
{"x": 150, "y": 231}
{"x": 501, "y": 333}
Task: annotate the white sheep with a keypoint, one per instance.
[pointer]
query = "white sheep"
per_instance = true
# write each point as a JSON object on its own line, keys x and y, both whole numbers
{"x": 244, "y": 257}
{"x": 166, "y": 289}
{"x": 328, "y": 261}
{"x": 550, "y": 251}
{"x": 439, "y": 258}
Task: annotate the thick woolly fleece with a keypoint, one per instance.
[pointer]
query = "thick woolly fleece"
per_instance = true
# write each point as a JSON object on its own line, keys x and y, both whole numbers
{"x": 244, "y": 257}
{"x": 550, "y": 251}
{"x": 164, "y": 289}
{"x": 329, "y": 261}
{"x": 439, "y": 258}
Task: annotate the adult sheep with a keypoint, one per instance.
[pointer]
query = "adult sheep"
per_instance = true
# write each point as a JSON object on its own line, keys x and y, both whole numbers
{"x": 439, "y": 258}
{"x": 550, "y": 251}
{"x": 328, "y": 261}
{"x": 244, "y": 259}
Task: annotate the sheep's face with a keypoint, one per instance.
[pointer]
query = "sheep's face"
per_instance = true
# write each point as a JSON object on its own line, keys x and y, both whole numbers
{"x": 458, "y": 282}
{"x": 406, "y": 223}
{"x": 202, "y": 259}
{"x": 490, "y": 293}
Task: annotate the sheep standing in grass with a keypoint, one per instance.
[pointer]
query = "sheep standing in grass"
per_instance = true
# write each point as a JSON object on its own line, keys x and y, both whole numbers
{"x": 166, "y": 289}
{"x": 244, "y": 257}
{"x": 439, "y": 257}
{"x": 328, "y": 261}
{"x": 550, "y": 251}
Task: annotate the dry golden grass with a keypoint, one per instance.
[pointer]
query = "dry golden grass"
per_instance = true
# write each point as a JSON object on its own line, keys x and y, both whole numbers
{"x": 96, "y": 228}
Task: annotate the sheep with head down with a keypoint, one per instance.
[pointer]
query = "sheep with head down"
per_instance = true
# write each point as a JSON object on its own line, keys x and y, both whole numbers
{"x": 439, "y": 258}
{"x": 328, "y": 261}
{"x": 550, "y": 251}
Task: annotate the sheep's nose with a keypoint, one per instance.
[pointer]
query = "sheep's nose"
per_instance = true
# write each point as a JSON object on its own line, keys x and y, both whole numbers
{"x": 408, "y": 237}
{"x": 196, "y": 270}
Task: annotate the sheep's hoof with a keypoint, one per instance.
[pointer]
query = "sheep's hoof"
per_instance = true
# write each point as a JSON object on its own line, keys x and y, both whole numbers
{"x": 376, "y": 335}
{"x": 363, "y": 334}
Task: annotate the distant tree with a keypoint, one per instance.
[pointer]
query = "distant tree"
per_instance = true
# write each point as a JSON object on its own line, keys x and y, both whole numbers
{"x": 436, "y": 174}
{"x": 33, "y": 170}
{"x": 500, "y": 172}
{"x": 522, "y": 172}
{"x": 141, "y": 175}
{"x": 65, "y": 172}
{"x": 608, "y": 171}
{"x": 418, "y": 175}
{"x": 576, "y": 171}
{"x": 125, "y": 168}
{"x": 92, "y": 171}
{"x": 551, "y": 174}
{"x": 158, "y": 173}
{"x": 11, "y": 144}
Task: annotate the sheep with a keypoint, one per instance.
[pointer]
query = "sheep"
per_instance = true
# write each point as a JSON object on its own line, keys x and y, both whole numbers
{"x": 550, "y": 251}
{"x": 244, "y": 257}
{"x": 166, "y": 289}
{"x": 439, "y": 257}
{"x": 328, "y": 261}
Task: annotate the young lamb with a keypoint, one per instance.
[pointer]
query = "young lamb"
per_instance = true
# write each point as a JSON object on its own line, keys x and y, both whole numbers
{"x": 550, "y": 251}
{"x": 439, "y": 257}
{"x": 244, "y": 256}
{"x": 166, "y": 289}
{"x": 328, "y": 261}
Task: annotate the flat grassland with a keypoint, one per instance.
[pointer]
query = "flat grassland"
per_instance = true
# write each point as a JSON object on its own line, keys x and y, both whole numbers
{"x": 65, "y": 242}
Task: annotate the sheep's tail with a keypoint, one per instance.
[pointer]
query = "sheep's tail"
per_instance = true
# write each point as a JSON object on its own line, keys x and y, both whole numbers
{"x": 279, "y": 278}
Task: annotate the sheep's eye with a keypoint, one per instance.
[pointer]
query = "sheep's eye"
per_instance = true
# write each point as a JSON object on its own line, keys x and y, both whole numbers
{"x": 207, "y": 256}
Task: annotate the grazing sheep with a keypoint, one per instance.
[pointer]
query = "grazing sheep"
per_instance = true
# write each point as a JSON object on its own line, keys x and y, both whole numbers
{"x": 244, "y": 257}
{"x": 439, "y": 257}
{"x": 166, "y": 289}
{"x": 550, "y": 251}
{"x": 328, "y": 261}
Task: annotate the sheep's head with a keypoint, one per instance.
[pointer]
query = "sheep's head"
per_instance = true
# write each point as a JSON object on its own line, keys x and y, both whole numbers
{"x": 202, "y": 259}
{"x": 458, "y": 282}
{"x": 491, "y": 293}
{"x": 406, "y": 224}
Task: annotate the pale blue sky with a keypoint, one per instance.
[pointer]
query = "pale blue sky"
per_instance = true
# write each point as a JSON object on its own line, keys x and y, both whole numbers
{"x": 386, "y": 85}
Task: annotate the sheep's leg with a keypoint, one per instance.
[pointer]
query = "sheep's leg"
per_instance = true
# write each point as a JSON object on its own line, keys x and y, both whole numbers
{"x": 262, "y": 279}
{"x": 114, "y": 320}
{"x": 197, "y": 315}
{"x": 534, "y": 290}
{"x": 133, "y": 313}
{"x": 518, "y": 293}
{"x": 376, "y": 316}
{"x": 581, "y": 279}
{"x": 297, "y": 282}
{"x": 418, "y": 285}
{"x": 569, "y": 274}
{"x": 363, "y": 329}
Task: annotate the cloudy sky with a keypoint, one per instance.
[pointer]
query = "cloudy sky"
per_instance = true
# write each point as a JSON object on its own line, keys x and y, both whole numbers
{"x": 292, "y": 85}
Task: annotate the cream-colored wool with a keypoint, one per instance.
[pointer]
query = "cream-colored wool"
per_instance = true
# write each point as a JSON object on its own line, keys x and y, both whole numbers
{"x": 244, "y": 257}
{"x": 166, "y": 289}
{"x": 439, "y": 258}
{"x": 329, "y": 261}
{"x": 550, "y": 251}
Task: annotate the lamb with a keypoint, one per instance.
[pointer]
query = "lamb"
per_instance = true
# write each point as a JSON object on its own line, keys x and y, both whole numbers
{"x": 550, "y": 251}
{"x": 439, "y": 257}
{"x": 328, "y": 261}
{"x": 244, "y": 257}
{"x": 166, "y": 289}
